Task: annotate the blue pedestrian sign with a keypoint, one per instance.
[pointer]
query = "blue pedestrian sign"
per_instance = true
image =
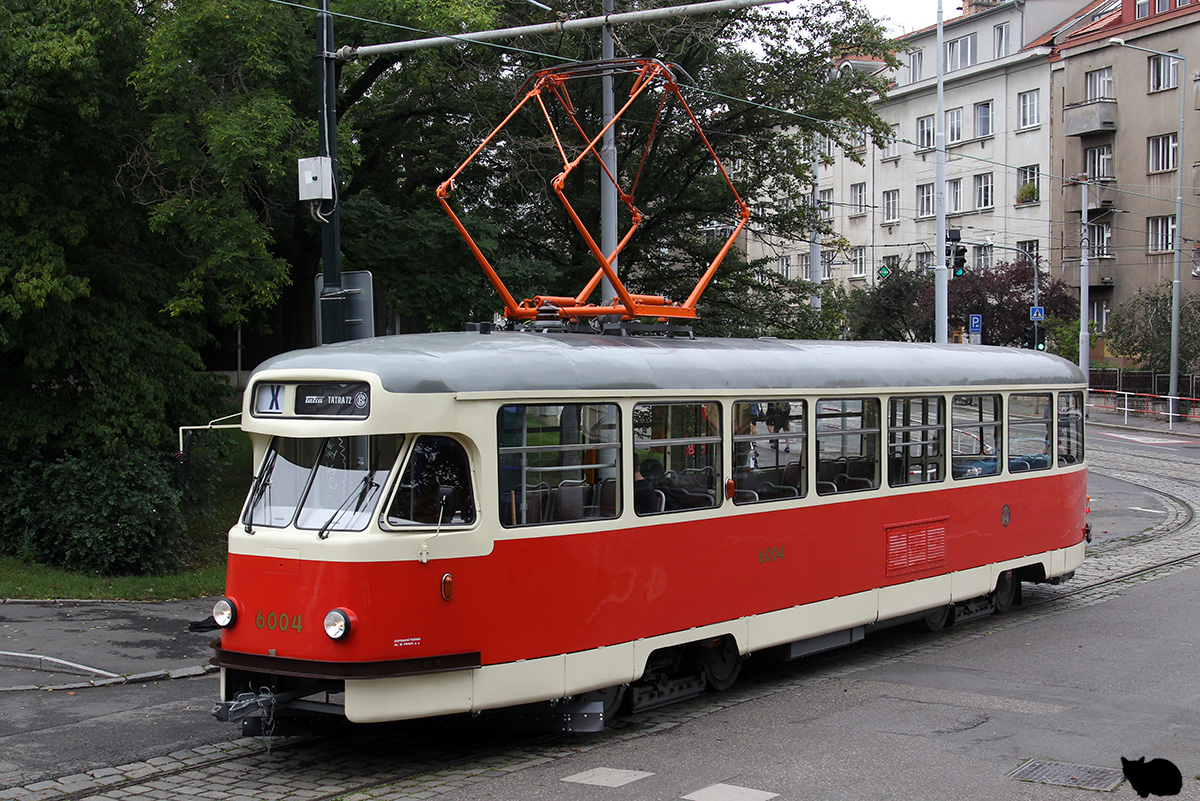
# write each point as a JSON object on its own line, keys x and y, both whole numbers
{"x": 975, "y": 324}
{"x": 1037, "y": 313}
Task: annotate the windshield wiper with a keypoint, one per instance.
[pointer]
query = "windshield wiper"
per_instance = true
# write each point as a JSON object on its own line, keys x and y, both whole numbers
{"x": 259, "y": 488}
{"x": 368, "y": 484}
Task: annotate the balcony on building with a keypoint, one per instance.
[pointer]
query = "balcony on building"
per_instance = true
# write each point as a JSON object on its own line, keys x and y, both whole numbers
{"x": 1090, "y": 117}
{"x": 1102, "y": 196}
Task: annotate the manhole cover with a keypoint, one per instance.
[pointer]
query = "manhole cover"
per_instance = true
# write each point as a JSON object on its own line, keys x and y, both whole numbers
{"x": 1089, "y": 777}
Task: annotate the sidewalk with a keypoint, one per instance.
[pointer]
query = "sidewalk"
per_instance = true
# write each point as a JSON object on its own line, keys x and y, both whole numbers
{"x": 74, "y": 644}
{"x": 1142, "y": 421}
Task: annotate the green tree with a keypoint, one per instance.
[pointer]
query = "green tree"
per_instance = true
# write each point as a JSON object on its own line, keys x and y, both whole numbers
{"x": 894, "y": 309}
{"x": 1140, "y": 329}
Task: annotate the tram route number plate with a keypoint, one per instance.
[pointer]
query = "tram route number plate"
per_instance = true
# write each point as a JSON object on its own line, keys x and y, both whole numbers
{"x": 350, "y": 399}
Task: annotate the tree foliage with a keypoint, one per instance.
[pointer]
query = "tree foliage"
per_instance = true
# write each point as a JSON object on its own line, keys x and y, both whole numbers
{"x": 1140, "y": 329}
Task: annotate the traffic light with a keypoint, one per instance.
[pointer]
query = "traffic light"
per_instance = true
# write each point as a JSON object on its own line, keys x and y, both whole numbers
{"x": 958, "y": 260}
{"x": 1035, "y": 336}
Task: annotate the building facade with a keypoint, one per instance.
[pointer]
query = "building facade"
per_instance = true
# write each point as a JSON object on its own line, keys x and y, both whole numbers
{"x": 1119, "y": 114}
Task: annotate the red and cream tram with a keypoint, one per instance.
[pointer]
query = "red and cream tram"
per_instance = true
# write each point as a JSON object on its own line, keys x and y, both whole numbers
{"x": 459, "y": 522}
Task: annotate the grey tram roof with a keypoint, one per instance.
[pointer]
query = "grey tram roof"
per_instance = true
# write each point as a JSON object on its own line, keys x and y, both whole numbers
{"x": 516, "y": 361}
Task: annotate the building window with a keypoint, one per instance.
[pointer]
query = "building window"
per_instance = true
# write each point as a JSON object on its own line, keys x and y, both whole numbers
{"x": 785, "y": 266}
{"x": 825, "y": 203}
{"x": 983, "y": 257}
{"x": 826, "y": 265}
{"x": 983, "y": 191}
{"x": 1100, "y": 84}
{"x": 858, "y": 262}
{"x": 891, "y": 205}
{"x": 1028, "y": 109}
{"x": 804, "y": 271}
{"x": 858, "y": 198}
{"x": 1161, "y": 5}
{"x": 925, "y": 201}
{"x": 1160, "y": 236}
{"x": 1164, "y": 73}
{"x": 1099, "y": 239}
{"x": 914, "y": 66}
{"x": 1142, "y": 9}
{"x": 1001, "y": 40}
{"x": 892, "y": 263}
{"x": 926, "y": 261}
{"x": 954, "y": 195}
{"x": 892, "y": 149}
{"x": 960, "y": 53}
{"x": 983, "y": 119}
{"x": 1028, "y": 187}
{"x": 925, "y": 132}
{"x": 1028, "y": 250}
{"x": 1164, "y": 152}
{"x": 954, "y": 125}
{"x": 1098, "y": 161}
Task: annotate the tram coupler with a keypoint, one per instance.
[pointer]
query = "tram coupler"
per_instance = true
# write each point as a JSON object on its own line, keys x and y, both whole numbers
{"x": 265, "y": 701}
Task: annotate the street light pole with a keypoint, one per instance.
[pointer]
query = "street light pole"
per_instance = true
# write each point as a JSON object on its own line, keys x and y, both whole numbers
{"x": 1176, "y": 282}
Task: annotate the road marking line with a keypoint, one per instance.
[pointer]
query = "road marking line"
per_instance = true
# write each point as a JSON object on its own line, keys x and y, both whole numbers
{"x": 607, "y": 777}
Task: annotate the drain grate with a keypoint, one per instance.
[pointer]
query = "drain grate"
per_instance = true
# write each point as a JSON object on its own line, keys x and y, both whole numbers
{"x": 1088, "y": 777}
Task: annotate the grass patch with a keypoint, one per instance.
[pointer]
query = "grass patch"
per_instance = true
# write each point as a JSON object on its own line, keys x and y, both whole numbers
{"x": 220, "y": 477}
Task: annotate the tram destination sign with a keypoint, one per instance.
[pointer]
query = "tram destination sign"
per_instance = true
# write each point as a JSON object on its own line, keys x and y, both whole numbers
{"x": 349, "y": 399}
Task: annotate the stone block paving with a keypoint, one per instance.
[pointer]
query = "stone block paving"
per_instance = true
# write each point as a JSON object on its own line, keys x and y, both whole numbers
{"x": 406, "y": 768}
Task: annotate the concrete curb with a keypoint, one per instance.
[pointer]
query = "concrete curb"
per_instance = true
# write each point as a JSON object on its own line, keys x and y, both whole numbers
{"x": 111, "y": 679}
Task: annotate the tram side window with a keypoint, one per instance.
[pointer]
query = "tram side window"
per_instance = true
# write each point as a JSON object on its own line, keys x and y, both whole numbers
{"x": 435, "y": 486}
{"x": 677, "y": 453}
{"x": 559, "y": 463}
{"x": 975, "y": 436}
{"x": 769, "y": 455}
{"x": 916, "y": 440}
{"x": 848, "y": 439}
{"x": 1029, "y": 420}
{"x": 1070, "y": 428}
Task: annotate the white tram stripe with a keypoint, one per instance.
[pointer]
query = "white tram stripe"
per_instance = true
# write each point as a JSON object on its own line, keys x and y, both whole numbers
{"x": 729, "y": 792}
{"x": 607, "y": 777}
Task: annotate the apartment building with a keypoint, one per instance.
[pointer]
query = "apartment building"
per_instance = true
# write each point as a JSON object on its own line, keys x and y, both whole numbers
{"x": 1117, "y": 111}
{"x": 997, "y": 90}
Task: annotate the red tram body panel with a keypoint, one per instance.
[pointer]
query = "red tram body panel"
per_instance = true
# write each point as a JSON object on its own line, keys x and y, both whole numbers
{"x": 480, "y": 611}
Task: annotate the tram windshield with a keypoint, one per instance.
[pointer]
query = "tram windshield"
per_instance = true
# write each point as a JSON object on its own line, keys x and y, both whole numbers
{"x": 330, "y": 484}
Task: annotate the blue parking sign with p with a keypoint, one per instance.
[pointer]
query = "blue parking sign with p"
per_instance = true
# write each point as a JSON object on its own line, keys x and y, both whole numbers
{"x": 975, "y": 324}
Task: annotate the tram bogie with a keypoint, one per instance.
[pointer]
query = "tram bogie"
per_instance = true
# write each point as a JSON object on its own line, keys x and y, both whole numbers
{"x": 458, "y": 523}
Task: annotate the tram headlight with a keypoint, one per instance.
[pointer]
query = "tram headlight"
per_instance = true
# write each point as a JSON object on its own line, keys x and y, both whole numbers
{"x": 338, "y": 623}
{"x": 224, "y": 612}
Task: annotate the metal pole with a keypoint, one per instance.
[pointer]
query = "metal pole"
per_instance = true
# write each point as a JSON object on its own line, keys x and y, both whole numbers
{"x": 941, "y": 302}
{"x": 332, "y": 301}
{"x": 608, "y": 155}
{"x": 1085, "y": 245}
{"x": 814, "y": 236}
{"x": 350, "y": 53}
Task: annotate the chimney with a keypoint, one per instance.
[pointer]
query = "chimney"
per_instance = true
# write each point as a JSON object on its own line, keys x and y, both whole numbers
{"x": 975, "y": 6}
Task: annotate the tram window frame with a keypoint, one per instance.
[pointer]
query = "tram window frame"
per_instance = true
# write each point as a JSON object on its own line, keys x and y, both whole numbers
{"x": 358, "y": 466}
{"x": 911, "y": 443}
{"x": 978, "y": 462}
{"x": 663, "y": 434}
{"x": 755, "y": 481}
{"x": 456, "y": 473}
{"x": 1029, "y": 424}
{"x": 853, "y": 469}
{"x": 1071, "y": 445}
{"x": 571, "y": 483}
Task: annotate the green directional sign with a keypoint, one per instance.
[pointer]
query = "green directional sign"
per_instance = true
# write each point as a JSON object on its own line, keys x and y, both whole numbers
{"x": 884, "y": 272}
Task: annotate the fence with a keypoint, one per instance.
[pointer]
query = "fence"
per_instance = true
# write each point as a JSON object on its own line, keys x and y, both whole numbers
{"x": 1137, "y": 404}
{"x": 1141, "y": 381}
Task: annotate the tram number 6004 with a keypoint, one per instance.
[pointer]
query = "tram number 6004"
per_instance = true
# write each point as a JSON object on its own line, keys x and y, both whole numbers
{"x": 278, "y": 621}
{"x": 770, "y": 554}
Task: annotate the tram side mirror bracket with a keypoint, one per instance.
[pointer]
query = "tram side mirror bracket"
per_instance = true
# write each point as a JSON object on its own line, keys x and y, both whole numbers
{"x": 446, "y": 498}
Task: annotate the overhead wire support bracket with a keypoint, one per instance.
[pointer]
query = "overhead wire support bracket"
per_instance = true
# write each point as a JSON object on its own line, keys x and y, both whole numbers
{"x": 625, "y": 305}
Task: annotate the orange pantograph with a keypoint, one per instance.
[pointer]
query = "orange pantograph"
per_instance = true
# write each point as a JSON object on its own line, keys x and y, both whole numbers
{"x": 628, "y": 306}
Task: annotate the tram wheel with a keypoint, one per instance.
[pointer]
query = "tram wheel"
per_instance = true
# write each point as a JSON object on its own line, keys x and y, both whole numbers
{"x": 1005, "y": 593}
{"x": 724, "y": 664}
{"x": 937, "y": 620}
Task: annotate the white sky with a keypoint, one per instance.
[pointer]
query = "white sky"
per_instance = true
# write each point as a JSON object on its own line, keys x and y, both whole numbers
{"x": 909, "y": 15}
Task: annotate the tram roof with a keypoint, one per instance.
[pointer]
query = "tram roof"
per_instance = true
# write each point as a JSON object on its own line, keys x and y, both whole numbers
{"x": 505, "y": 361}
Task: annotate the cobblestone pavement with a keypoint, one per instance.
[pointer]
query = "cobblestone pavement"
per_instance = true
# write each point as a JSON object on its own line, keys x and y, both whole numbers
{"x": 423, "y": 760}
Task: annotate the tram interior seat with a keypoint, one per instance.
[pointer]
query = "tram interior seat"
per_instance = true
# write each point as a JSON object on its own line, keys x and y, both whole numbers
{"x": 1017, "y": 465}
{"x": 569, "y": 500}
{"x": 662, "y": 500}
{"x": 847, "y": 483}
{"x": 537, "y": 499}
{"x": 606, "y": 500}
{"x": 746, "y": 496}
{"x": 826, "y": 488}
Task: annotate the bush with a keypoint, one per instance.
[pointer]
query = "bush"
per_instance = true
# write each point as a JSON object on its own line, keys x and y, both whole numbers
{"x": 110, "y": 514}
